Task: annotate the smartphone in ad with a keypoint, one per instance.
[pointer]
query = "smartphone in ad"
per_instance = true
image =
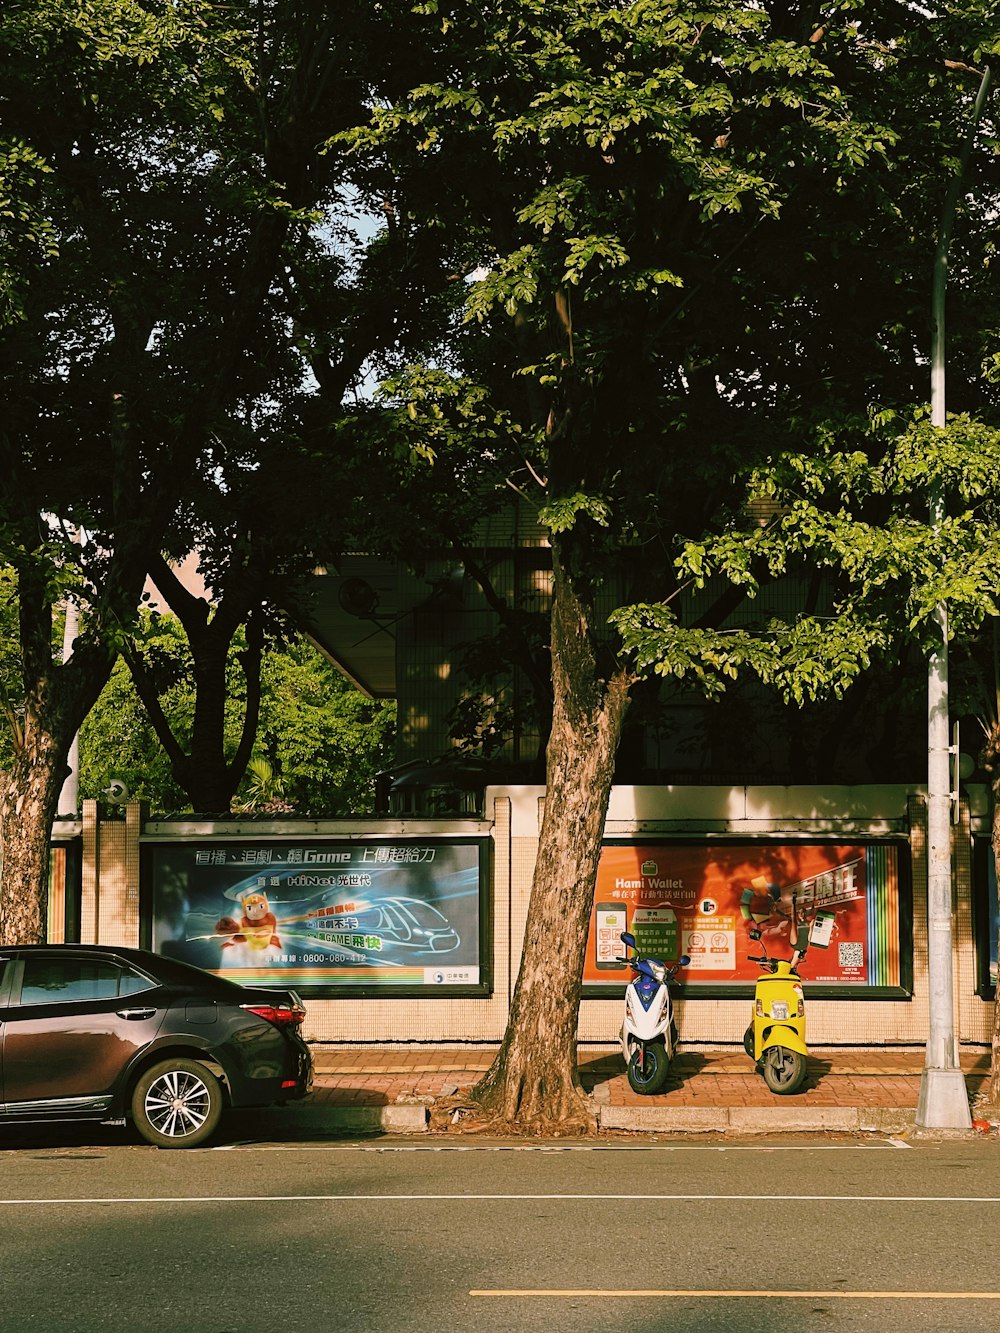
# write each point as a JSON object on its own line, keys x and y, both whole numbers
{"x": 610, "y": 919}
{"x": 821, "y": 931}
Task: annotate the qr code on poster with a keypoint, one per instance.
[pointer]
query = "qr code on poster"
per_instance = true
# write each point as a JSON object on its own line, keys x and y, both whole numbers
{"x": 851, "y": 953}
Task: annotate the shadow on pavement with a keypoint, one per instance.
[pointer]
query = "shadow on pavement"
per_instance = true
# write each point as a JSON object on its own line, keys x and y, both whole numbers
{"x": 606, "y": 1069}
{"x": 290, "y": 1124}
{"x": 816, "y": 1071}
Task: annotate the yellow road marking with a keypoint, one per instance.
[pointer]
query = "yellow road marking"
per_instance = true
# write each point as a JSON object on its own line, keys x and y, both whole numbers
{"x": 800, "y": 1295}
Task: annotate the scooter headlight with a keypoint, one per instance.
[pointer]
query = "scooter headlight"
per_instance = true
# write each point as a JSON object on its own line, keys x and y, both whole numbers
{"x": 658, "y": 970}
{"x": 779, "y": 1009}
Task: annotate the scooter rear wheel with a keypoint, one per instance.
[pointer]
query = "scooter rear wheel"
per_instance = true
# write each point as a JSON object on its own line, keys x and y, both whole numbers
{"x": 784, "y": 1070}
{"x": 648, "y": 1068}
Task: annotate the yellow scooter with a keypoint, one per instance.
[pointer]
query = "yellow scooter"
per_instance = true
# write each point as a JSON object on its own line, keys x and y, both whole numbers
{"x": 776, "y": 1039}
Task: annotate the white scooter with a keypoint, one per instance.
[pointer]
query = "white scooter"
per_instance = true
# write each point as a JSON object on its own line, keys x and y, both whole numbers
{"x": 648, "y": 1035}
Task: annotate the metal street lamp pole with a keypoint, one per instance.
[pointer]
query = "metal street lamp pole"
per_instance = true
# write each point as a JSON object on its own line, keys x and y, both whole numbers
{"x": 69, "y": 796}
{"x": 943, "y": 1101}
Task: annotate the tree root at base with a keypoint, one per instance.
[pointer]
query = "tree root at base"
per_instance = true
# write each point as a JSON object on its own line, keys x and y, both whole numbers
{"x": 464, "y": 1115}
{"x": 984, "y": 1109}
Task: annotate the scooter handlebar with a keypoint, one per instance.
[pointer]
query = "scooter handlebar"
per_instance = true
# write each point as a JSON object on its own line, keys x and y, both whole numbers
{"x": 769, "y": 963}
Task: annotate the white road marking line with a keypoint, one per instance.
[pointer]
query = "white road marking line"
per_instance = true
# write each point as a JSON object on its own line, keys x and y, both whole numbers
{"x": 248, "y": 1145}
{"x": 511, "y": 1198}
{"x": 722, "y": 1293}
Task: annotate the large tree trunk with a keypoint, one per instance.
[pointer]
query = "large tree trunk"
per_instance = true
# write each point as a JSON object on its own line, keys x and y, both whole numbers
{"x": 534, "y": 1084}
{"x": 55, "y": 701}
{"x": 205, "y": 773}
{"x": 29, "y": 795}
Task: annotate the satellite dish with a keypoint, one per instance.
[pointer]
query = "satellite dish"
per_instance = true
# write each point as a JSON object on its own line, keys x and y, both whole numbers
{"x": 358, "y": 598}
{"x": 117, "y": 792}
{"x": 450, "y": 586}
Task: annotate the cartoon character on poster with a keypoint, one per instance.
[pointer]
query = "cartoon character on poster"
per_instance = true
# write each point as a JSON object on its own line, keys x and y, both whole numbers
{"x": 256, "y": 928}
{"x": 360, "y": 932}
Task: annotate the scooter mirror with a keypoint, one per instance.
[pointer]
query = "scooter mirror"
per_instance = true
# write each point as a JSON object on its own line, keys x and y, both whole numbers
{"x": 627, "y": 939}
{"x": 684, "y": 960}
{"x": 802, "y": 939}
{"x": 754, "y": 933}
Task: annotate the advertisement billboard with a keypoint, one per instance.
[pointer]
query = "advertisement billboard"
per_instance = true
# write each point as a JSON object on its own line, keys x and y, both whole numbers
{"x": 704, "y": 899}
{"x": 400, "y": 916}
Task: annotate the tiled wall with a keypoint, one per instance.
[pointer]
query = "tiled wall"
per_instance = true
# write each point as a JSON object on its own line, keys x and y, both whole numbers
{"x": 109, "y": 903}
{"x": 110, "y": 912}
{"x": 434, "y": 1019}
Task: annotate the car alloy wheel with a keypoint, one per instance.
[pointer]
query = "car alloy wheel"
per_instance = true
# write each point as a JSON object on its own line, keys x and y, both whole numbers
{"x": 177, "y": 1104}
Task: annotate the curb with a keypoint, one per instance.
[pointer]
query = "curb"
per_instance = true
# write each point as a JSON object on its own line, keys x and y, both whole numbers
{"x": 396, "y": 1119}
{"x": 414, "y": 1119}
{"x": 756, "y": 1119}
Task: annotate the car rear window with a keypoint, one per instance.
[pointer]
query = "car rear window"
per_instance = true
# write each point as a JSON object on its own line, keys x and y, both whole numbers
{"x": 58, "y": 980}
{"x": 133, "y": 982}
{"x": 172, "y": 972}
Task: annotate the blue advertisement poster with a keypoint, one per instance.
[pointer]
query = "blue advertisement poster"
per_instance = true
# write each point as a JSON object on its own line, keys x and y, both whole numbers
{"x": 401, "y": 914}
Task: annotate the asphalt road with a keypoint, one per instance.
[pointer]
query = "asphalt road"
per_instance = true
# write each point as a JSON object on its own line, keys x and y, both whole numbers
{"x": 102, "y": 1233}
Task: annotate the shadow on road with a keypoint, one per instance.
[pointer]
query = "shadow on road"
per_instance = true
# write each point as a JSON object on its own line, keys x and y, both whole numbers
{"x": 290, "y": 1124}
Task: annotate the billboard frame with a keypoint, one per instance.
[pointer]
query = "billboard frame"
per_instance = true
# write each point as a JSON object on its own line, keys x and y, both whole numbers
{"x": 482, "y": 989}
{"x": 744, "y": 990}
{"x": 984, "y": 914}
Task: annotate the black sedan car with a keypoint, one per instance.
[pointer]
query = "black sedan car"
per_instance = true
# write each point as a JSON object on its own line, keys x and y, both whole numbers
{"x": 89, "y": 1032}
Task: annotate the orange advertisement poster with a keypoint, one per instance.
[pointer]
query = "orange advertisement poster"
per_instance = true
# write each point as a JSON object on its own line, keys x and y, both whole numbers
{"x": 704, "y": 900}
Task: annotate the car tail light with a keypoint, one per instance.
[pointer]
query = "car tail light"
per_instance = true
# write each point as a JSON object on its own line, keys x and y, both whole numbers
{"x": 281, "y": 1015}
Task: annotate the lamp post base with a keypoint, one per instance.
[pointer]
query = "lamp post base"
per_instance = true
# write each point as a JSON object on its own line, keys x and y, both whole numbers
{"x": 944, "y": 1100}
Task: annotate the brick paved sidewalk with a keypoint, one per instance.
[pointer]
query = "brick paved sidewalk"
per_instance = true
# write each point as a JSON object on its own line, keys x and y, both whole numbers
{"x": 379, "y": 1076}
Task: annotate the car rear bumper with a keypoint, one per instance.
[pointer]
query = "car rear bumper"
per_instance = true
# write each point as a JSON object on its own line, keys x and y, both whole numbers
{"x": 266, "y": 1082}
{"x": 304, "y": 1078}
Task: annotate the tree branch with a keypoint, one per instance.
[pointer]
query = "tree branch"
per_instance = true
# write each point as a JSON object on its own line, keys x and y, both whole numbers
{"x": 146, "y": 690}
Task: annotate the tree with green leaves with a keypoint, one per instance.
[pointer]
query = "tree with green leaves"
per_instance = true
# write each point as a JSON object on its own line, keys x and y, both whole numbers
{"x": 864, "y": 516}
{"x": 319, "y": 744}
{"x": 698, "y": 230}
{"x": 96, "y": 353}
{"x": 166, "y": 208}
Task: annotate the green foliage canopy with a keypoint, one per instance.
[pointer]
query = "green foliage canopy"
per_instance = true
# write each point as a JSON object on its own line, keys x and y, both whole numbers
{"x": 324, "y": 741}
{"x": 702, "y": 239}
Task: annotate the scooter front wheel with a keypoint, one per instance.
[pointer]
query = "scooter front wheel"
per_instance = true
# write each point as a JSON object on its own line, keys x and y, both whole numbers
{"x": 784, "y": 1070}
{"x": 648, "y": 1068}
{"x": 748, "y": 1044}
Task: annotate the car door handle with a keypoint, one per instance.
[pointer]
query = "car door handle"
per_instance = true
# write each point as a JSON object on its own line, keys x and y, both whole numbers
{"x": 136, "y": 1013}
